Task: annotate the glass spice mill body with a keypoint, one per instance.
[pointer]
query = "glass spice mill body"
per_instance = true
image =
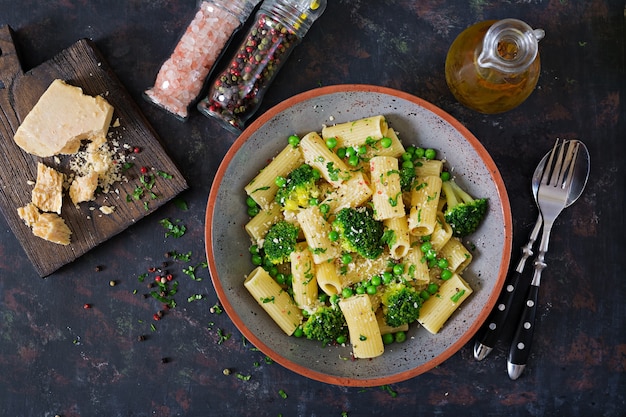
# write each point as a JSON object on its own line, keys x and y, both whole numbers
{"x": 493, "y": 66}
{"x": 237, "y": 92}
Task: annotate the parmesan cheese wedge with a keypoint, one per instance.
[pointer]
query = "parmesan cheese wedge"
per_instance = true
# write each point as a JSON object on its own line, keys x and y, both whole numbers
{"x": 48, "y": 191}
{"x": 63, "y": 117}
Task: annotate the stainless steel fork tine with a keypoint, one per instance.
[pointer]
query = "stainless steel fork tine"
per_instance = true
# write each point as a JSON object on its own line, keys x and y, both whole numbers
{"x": 548, "y": 167}
{"x": 572, "y": 155}
{"x": 557, "y": 170}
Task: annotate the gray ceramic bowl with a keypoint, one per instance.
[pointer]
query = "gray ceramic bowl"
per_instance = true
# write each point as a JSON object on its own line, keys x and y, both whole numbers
{"x": 418, "y": 122}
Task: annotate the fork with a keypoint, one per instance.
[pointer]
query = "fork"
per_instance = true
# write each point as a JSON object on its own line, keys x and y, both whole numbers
{"x": 552, "y": 196}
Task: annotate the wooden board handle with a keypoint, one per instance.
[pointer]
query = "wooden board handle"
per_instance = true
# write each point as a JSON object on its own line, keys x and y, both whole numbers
{"x": 10, "y": 67}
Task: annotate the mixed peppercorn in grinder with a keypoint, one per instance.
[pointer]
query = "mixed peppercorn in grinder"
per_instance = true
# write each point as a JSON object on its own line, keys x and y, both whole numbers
{"x": 278, "y": 27}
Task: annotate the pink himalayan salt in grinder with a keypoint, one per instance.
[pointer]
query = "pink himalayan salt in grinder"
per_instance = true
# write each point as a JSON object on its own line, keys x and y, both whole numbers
{"x": 182, "y": 76}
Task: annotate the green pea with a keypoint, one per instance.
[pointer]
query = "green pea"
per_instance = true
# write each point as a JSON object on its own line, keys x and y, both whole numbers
{"x": 294, "y": 140}
{"x": 341, "y": 153}
{"x": 426, "y": 246}
{"x": 443, "y": 263}
{"x": 400, "y": 337}
{"x": 331, "y": 143}
{"x": 316, "y": 174}
{"x": 254, "y": 249}
{"x": 407, "y": 164}
{"x": 445, "y": 176}
{"x": 407, "y": 156}
{"x": 333, "y": 235}
{"x": 250, "y": 202}
{"x": 432, "y": 288}
{"x": 419, "y": 152}
{"x": 446, "y": 274}
{"x": 341, "y": 339}
{"x": 360, "y": 289}
{"x": 253, "y": 211}
{"x": 353, "y": 160}
{"x": 376, "y": 280}
{"x": 424, "y": 295}
{"x": 387, "y": 338}
{"x": 386, "y": 142}
{"x": 280, "y": 181}
{"x": 346, "y": 292}
{"x": 346, "y": 258}
{"x": 257, "y": 260}
{"x": 398, "y": 269}
{"x": 298, "y": 332}
{"x": 350, "y": 151}
{"x": 387, "y": 277}
{"x": 362, "y": 150}
{"x": 334, "y": 299}
{"x": 430, "y": 153}
{"x": 324, "y": 208}
{"x": 371, "y": 290}
{"x": 281, "y": 278}
{"x": 411, "y": 149}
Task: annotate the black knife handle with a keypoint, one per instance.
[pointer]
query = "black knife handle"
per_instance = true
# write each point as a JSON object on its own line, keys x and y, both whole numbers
{"x": 508, "y": 307}
{"x": 520, "y": 346}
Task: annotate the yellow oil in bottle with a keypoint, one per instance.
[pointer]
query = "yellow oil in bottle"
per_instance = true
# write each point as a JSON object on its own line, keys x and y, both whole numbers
{"x": 492, "y": 87}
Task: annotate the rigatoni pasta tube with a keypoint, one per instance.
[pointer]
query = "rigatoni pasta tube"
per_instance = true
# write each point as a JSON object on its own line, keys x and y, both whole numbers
{"x": 457, "y": 255}
{"x": 303, "y": 283}
{"x": 258, "y": 226}
{"x": 400, "y": 240}
{"x": 263, "y": 187}
{"x": 352, "y": 193}
{"x": 441, "y": 234}
{"x": 387, "y": 195}
{"x": 317, "y": 154}
{"x": 415, "y": 269}
{"x": 356, "y": 132}
{"x": 274, "y": 300}
{"x": 365, "y": 336}
{"x": 438, "y": 308}
{"x": 327, "y": 278}
{"x": 316, "y": 230}
{"x": 429, "y": 168}
{"x": 424, "y": 201}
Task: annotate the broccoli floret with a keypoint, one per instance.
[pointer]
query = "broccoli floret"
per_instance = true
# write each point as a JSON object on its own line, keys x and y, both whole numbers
{"x": 327, "y": 324}
{"x": 299, "y": 188}
{"x": 463, "y": 212}
{"x": 359, "y": 231}
{"x": 401, "y": 304}
{"x": 280, "y": 241}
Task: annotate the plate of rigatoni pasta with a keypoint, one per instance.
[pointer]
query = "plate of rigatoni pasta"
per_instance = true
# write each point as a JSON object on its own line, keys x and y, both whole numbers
{"x": 358, "y": 235}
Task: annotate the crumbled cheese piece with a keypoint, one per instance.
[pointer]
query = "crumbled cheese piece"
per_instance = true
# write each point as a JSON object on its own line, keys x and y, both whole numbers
{"x": 29, "y": 213}
{"x": 63, "y": 117}
{"x": 48, "y": 191}
{"x": 107, "y": 209}
{"x": 51, "y": 227}
{"x": 83, "y": 188}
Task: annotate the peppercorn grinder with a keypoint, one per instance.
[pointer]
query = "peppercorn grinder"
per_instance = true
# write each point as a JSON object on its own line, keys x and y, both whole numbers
{"x": 493, "y": 66}
{"x": 279, "y": 26}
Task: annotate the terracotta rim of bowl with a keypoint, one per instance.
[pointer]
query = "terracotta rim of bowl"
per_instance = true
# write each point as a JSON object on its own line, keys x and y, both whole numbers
{"x": 456, "y": 346}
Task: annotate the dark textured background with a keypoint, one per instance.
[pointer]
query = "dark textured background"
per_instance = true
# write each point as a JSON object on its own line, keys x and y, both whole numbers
{"x": 57, "y": 358}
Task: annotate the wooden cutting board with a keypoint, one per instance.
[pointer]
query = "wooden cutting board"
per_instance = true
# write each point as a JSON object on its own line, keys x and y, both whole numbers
{"x": 81, "y": 65}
